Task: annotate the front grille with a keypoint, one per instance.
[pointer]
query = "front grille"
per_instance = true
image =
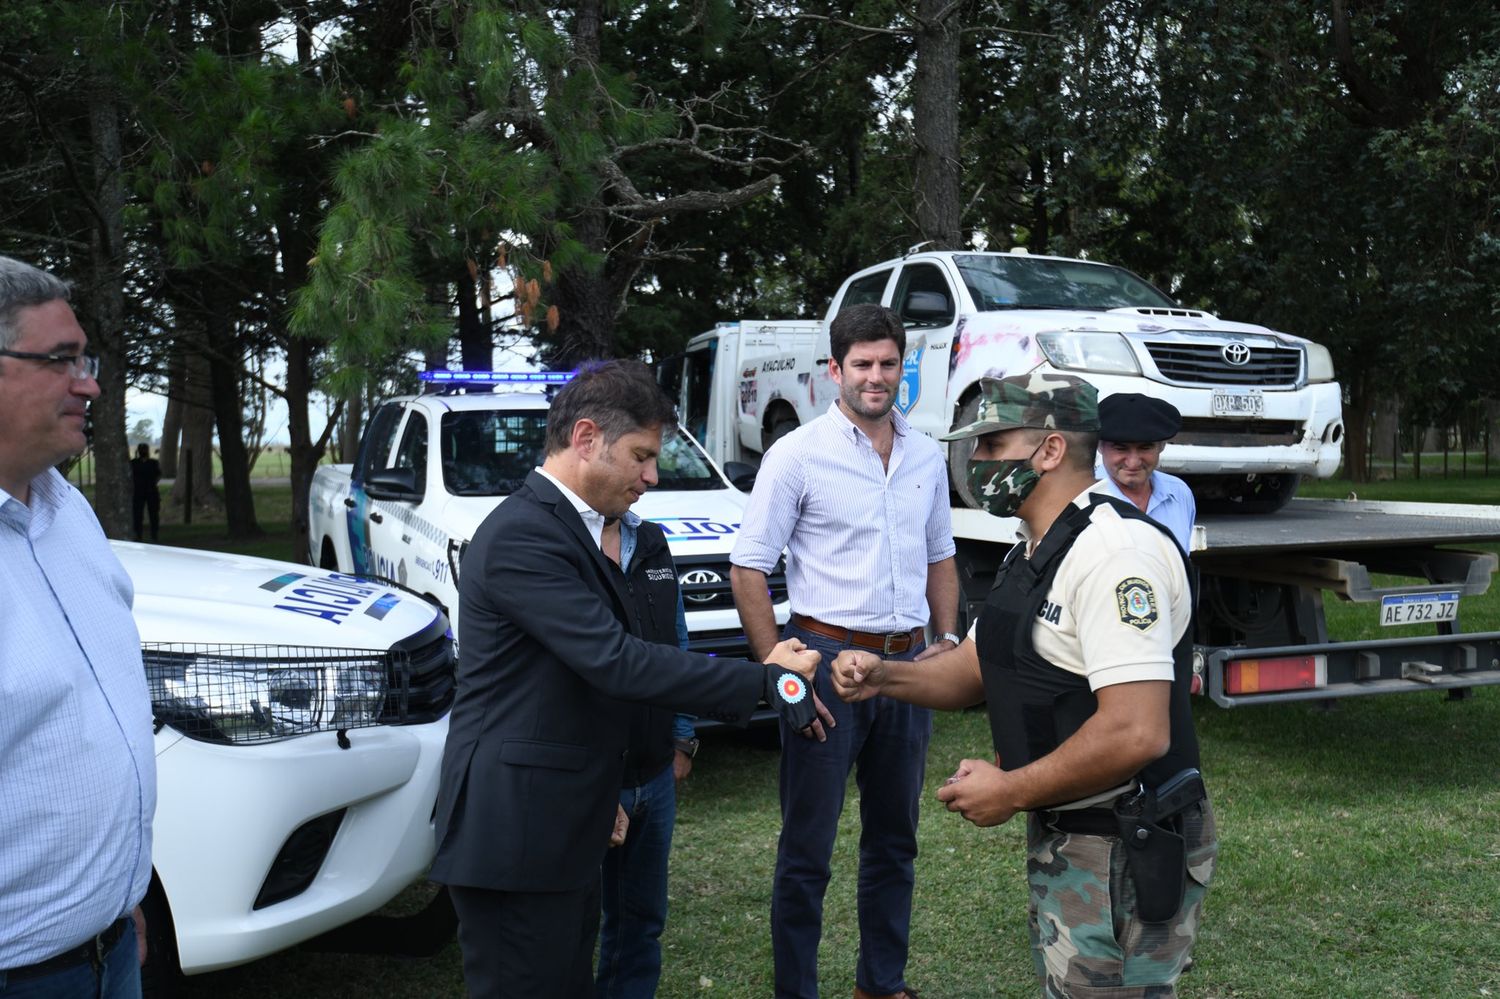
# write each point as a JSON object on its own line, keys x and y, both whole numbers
{"x": 704, "y": 580}
{"x": 422, "y": 683}
{"x": 1204, "y": 364}
{"x": 1231, "y": 432}
{"x": 728, "y": 642}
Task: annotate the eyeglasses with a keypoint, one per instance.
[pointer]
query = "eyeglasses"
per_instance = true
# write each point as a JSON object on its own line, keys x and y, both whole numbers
{"x": 80, "y": 366}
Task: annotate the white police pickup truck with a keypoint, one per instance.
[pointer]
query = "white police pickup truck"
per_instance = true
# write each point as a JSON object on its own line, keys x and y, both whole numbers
{"x": 300, "y": 720}
{"x": 431, "y": 467}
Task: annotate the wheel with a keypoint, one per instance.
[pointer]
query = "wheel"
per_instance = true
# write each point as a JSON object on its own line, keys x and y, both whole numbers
{"x": 783, "y": 422}
{"x": 959, "y": 453}
{"x": 1244, "y": 493}
{"x": 160, "y": 975}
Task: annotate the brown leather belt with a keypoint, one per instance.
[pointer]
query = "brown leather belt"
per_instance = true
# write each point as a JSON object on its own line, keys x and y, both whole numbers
{"x": 896, "y": 642}
{"x": 91, "y": 951}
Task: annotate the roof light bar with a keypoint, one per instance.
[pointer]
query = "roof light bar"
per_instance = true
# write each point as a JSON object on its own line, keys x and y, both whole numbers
{"x": 497, "y": 377}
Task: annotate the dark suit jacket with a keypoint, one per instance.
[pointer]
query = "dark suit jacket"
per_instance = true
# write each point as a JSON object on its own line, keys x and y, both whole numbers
{"x": 549, "y": 661}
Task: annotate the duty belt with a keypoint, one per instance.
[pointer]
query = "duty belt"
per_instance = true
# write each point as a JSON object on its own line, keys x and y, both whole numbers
{"x": 895, "y": 642}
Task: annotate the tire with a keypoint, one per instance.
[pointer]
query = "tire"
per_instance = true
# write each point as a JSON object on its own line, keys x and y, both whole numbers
{"x": 959, "y": 452}
{"x": 783, "y": 422}
{"x": 161, "y": 976}
{"x": 327, "y": 559}
{"x": 1252, "y": 494}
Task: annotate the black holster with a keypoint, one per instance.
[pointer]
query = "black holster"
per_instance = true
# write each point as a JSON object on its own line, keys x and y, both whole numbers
{"x": 1155, "y": 851}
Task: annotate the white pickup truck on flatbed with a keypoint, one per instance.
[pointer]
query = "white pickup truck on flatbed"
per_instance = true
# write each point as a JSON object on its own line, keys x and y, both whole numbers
{"x": 1260, "y": 408}
{"x": 431, "y": 467}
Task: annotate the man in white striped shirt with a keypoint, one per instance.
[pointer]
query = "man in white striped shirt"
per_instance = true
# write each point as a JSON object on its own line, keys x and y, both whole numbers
{"x": 859, "y": 501}
{"x": 78, "y": 781}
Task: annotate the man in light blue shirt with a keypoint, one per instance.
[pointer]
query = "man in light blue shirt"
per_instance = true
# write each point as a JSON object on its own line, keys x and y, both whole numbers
{"x": 76, "y": 748}
{"x": 1133, "y": 430}
{"x": 859, "y": 501}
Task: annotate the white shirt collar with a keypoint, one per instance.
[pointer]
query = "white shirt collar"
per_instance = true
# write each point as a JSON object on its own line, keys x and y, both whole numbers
{"x": 592, "y": 519}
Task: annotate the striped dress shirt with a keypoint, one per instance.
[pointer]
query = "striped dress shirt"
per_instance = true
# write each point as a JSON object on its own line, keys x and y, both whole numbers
{"x": 859, "y": 536}
{"x": 77, "y": 763}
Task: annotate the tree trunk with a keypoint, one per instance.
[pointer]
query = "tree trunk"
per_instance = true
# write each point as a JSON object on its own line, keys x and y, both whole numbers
{"x": 1383, "y": 433}
{"x": 171, "y": 424}
{"x": 106, "y": 300}
{"x": 935, "y": 103}
{"x": 234, "y": 458}
{"x": 1356, "y": 432}
{"x": 476, "y": 345}
{"x": 197, "y": 435}
{"x": 354, "y": 421}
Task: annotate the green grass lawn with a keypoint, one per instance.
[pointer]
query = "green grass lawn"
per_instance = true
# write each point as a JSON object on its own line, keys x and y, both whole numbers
{"x": 1360, "y": 857}
{"x": 1360, "y": 854}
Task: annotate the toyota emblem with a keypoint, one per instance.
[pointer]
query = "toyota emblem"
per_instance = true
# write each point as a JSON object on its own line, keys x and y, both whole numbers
{"x": 698, "y": 577}
{"x": 1236, "y": 353}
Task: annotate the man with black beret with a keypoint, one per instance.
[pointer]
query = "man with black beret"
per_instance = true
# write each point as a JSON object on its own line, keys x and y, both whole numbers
{"x": 1133, "y": 429}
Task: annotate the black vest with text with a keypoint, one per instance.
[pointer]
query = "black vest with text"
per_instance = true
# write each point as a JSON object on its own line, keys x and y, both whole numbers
{"x": 652, "y": 586}
{"x": 1033, "y": 705}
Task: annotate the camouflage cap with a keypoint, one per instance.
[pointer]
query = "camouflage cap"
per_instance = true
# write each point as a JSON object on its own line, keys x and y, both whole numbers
{"x": 1037, "y": 399}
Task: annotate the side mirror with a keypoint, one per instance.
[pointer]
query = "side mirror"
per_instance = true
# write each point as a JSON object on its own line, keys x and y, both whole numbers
{"x": 393, "y": 484}
{"x": 927, "y": 307}
{"x": 740, "y": 475}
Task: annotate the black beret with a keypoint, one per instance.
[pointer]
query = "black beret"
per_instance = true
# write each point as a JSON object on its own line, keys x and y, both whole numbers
{"x": 1132, "y": 418}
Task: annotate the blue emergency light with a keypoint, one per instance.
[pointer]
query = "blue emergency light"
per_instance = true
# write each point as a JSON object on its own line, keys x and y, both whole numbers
{"x": 446, "y": 377}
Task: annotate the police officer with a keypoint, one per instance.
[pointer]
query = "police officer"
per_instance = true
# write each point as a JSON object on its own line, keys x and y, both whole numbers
{"x": 1083, "y": 653}
{"x": 1133, "y": 430}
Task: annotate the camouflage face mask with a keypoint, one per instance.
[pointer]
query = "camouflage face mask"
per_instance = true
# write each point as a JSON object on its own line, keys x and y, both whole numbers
{"x": 1002, "y": 486}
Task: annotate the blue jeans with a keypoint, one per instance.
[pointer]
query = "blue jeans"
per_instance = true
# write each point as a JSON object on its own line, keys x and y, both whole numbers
{"x": 635, "y": 893}
{"x": 886, "y": 742}
{"x": 118, "y": 978}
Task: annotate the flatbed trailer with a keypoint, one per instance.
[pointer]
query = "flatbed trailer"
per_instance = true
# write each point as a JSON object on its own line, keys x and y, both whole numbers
{"x": 1261, "y": 636}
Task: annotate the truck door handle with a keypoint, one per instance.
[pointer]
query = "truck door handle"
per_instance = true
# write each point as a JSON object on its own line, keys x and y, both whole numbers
{"x": 349, "y": 502}
{"x": 375, "y": 516}
{"x": 820, "y": 361}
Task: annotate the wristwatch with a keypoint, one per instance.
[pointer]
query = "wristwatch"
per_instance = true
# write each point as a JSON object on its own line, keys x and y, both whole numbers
{"x": 687, "y": 746}
{"x": 949, "y": 636}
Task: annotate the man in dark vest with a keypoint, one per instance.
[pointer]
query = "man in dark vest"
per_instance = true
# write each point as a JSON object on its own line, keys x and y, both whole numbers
{"x": 1083, "y": 652}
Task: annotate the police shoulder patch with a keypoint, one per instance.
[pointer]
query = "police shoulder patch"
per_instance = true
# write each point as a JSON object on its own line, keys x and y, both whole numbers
{"x": 1136, "y": 601}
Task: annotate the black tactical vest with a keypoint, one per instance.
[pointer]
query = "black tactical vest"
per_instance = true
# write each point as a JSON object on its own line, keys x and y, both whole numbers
{"x": 652, "y": 616}
{"x": 1033, "y": 705}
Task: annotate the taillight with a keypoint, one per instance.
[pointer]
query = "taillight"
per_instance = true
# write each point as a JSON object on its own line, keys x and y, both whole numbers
{"x": 1255, "y": 676}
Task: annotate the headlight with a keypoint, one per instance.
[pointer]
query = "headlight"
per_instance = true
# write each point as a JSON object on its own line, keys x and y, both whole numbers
{"x": 239, "y": 693}
{"x": 1319, "y": 363}
{"x": 1088, "y": 352}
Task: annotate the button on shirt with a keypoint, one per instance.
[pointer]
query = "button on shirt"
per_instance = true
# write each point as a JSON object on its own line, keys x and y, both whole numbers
{"x": 77, "y": 767}
{"x": 859, "y": 536}
{"x": 1171, "y": 504}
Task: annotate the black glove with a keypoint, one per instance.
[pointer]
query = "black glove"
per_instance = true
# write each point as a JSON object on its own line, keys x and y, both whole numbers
{"x": 791, "y": 696}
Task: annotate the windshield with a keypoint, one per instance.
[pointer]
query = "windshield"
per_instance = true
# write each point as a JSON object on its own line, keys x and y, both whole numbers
{"x": 488, "y": 452}
{"x": 999, "y": 281}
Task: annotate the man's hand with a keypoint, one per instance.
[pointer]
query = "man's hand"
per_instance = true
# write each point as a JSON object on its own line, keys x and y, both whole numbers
{"x": 977, "y": 791}
{"x": 793, "y": 654}
{"x": 138, "y": 916}
{"x": 789, "y": 694}
{"x": 818, "y": 729}
{"x": 682, "y": 764}
{"x": 858, "y": 676}
{"x": 622, "y": 826}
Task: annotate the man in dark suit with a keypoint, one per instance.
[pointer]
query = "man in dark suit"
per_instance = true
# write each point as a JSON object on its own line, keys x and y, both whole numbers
{"x": 553, "y": 662}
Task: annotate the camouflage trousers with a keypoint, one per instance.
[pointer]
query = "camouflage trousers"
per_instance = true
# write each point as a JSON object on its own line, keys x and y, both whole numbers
{"x": 1085, "y": 937}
